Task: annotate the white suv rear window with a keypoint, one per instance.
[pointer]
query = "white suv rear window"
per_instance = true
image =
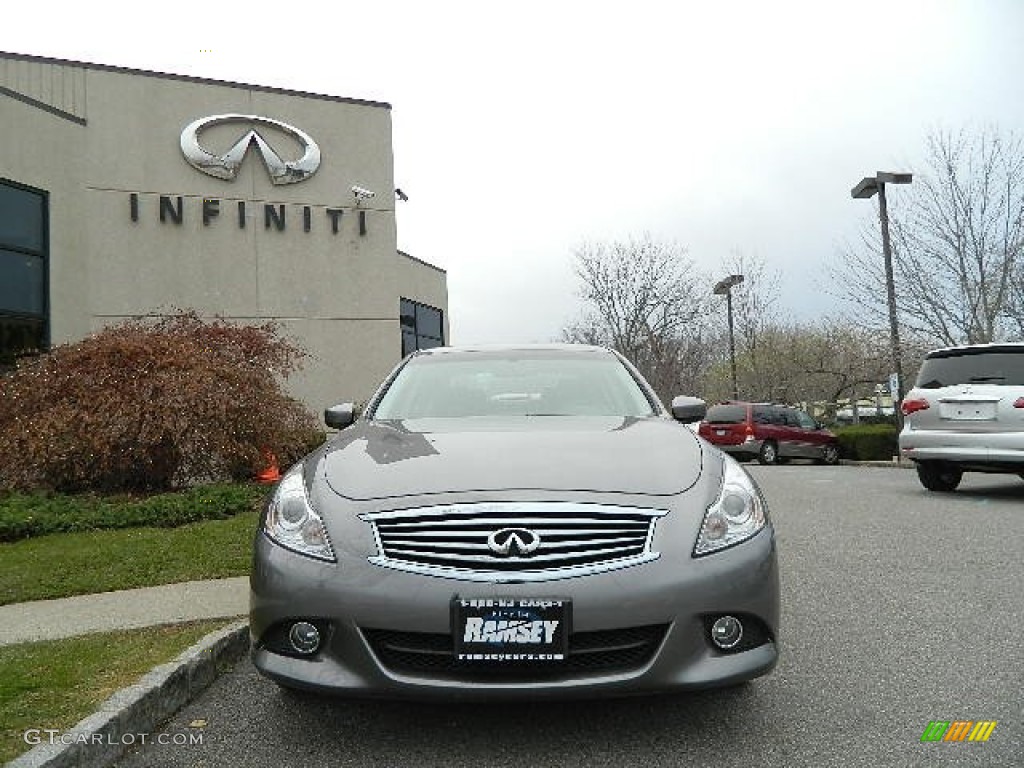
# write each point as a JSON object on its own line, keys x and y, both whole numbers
{"x": 996, "y": 366}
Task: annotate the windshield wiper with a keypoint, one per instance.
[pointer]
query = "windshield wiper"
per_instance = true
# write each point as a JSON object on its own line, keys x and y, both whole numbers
{"x": 979, "y": 379}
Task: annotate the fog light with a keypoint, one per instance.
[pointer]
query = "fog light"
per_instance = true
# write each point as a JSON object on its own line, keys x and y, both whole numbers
{"x": 727, "y": 632}
{"x": 304, "y": 637}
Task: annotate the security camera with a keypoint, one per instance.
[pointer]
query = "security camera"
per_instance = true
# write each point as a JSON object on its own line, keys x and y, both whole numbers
{"x": 401, "y": 195}
{"x": 361, "y": 193}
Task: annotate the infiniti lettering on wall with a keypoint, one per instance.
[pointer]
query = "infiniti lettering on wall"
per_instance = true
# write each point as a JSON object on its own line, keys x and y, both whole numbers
{"x": 170, "y": 208}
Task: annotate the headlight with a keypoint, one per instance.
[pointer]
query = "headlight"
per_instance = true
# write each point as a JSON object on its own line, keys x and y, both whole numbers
{"x": 291, "y": 521}
{"x": 737, "y": 514}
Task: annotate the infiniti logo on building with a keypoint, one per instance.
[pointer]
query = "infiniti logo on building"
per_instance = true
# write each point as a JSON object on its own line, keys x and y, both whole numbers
{"x": 513, "y": 542}
{"x": 226, "y": 166}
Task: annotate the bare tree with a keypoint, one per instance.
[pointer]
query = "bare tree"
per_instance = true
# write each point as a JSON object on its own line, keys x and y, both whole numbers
{"x": 820, "y": 362}
{"x": 1015, "y": 302}
{"x": 645, "y": 299}
{"x": 958, "y": 244}
{"x": 838, "y": 359}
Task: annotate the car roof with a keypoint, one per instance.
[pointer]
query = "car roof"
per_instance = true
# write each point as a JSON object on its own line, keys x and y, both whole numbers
{"x": 580, "y": 349}
{"x": 975, "y": 349}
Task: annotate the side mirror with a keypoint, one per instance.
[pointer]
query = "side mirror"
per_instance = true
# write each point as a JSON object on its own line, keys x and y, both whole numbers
{"x": 688, "y": 409}
{"x": 340, "y": 416}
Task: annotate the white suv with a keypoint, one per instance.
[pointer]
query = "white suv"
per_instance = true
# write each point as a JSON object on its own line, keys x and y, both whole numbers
{"x": 966, "y": 414}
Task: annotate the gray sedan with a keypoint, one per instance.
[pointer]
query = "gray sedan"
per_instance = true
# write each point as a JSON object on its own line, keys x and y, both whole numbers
{"x": 514, "y": 522}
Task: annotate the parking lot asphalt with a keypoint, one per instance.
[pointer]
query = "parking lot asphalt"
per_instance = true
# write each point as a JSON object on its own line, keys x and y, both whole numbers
{"x": 900, "y": 607}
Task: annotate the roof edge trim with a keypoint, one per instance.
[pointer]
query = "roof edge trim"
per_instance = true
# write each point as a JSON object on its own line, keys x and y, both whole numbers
{"x": 192, "y": 79}
{"x": 421, "y": 261}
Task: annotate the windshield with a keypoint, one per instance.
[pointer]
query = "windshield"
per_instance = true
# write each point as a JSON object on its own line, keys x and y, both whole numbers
{"x": 515, "y": 383}
{"x": 974, "y": 367}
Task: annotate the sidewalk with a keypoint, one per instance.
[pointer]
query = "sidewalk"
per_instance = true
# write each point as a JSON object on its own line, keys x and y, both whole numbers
{"x": 127, "y": 609}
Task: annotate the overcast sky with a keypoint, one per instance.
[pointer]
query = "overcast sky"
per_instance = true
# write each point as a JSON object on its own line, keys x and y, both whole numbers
{"x": 522, "y": 129}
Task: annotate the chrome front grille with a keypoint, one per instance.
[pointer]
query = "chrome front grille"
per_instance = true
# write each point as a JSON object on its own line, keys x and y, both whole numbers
{"x": 513, "y": 541}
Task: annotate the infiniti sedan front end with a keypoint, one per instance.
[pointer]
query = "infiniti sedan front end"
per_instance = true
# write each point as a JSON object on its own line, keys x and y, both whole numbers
{"x": 524, "y": 521}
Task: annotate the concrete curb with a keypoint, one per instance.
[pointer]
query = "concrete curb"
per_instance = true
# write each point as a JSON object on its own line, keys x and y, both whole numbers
{"x": 905, "y": 464}
{"x": 103, "y": 737}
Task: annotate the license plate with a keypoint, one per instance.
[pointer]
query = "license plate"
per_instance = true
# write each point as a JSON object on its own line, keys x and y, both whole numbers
{"x": 721, "y": 432}
{"x": 967, "y": 411}
{"x": 511, "y": 630}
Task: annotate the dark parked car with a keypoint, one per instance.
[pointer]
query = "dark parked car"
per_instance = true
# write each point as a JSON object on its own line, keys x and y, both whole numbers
{"x": 521, "y": 522}
{"x": 769, "y": 433}
{"x": 966, "y": 414}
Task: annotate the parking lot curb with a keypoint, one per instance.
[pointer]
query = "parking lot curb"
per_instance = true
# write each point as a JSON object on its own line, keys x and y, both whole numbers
{"x": 121, "y": 720}
{"x": 905, "y": 464}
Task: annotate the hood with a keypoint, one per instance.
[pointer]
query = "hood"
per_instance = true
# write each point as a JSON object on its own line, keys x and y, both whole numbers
{"x": 379, "y": 460}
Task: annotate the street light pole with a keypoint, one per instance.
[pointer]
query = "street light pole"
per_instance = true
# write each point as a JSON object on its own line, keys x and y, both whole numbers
{"x": 725, "y": 287}
{"x": 890, "y": 295}
{"x": 866, "y": 188}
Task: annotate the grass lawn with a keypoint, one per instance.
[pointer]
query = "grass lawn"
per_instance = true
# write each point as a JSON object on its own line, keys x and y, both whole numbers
{"x": 24, "y": 515}
{"x": 54, "y": 684}
{"x": 60, "y": 565}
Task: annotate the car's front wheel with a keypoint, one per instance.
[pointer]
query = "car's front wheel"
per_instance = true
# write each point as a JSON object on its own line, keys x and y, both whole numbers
{"x": 936, "y": 476}
{"x": 769, "y": 453}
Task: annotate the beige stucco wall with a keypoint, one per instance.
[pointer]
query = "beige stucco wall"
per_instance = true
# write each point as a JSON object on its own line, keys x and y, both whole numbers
{"x": 42, "y": 150}
{"x": 338, "y": 294}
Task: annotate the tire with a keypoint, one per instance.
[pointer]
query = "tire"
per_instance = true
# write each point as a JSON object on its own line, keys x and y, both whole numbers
{"x": 769, "y": 453}
{"x": 936, "y": 476}
{"x": 829, "y": 455}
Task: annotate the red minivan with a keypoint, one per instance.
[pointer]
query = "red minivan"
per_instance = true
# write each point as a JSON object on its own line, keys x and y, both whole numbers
{"x": 769, "y": 433}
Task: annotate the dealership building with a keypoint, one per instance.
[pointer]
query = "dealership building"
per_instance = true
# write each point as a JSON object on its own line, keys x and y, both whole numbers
{"x": 126, "y": 193}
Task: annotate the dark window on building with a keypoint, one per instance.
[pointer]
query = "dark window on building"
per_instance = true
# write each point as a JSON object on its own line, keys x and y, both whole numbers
{"x": 422, "y": 326}
{"x": 24, "y": 321}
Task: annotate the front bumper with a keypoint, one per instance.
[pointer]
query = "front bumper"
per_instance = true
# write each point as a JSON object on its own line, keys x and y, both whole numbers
{"x": 675, "y": 594}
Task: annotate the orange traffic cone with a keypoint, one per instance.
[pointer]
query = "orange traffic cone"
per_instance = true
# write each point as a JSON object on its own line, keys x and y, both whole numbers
{"x": 272, "y": 472}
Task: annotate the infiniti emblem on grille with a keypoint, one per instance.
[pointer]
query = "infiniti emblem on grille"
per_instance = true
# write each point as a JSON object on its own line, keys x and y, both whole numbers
{"x": 513, "y": 542}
